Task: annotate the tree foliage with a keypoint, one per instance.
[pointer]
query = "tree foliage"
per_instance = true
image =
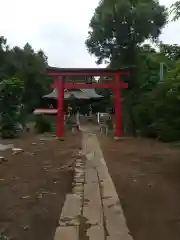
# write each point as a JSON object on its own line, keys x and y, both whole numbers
{"x": 11, "y": 92}
{"x": 28, "y": 66}
{"x": 23, "y": 82}
{"x": 118, "y": 26}
{"x": 157, "y": 111}
{"x": 117, "y": 33}
{"x": 175, "y": 10}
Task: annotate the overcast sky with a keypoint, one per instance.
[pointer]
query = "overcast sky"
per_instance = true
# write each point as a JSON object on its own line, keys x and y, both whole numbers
{"x": 59, "y": 28}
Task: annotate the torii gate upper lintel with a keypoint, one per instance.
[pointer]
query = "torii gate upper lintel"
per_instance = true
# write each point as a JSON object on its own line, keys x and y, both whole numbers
{"x": 60, "y": 73}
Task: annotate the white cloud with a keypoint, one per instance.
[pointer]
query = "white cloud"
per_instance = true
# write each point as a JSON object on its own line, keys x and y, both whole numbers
{"x": 59, "y": 28}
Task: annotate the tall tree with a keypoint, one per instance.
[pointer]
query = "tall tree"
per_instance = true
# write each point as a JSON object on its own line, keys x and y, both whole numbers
{"x": 28, "y": 66}
{"x": 117, "y": 29}
{"x": 120, "y": 25}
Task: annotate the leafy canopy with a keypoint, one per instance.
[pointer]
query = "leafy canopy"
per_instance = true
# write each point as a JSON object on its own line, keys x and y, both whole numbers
{"x": 119, "y": 24}
{"x": 11, "y": 92}
{"x": 175, "y": 10}
{"x": 28, "y": 66}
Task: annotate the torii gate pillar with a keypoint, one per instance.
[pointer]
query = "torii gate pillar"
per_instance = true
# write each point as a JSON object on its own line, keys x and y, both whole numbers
{"x": 118, "y": 108}
{"x": 60, "y": 106}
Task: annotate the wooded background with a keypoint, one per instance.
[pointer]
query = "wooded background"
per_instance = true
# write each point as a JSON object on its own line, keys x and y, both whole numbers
{"x": 122, "y": 33}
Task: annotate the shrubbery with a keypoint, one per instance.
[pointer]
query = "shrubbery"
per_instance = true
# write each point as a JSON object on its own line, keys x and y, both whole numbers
{"x": 158, "y": 115}
{"x": 11, "y": 91}
{"x": 42, "y": 124}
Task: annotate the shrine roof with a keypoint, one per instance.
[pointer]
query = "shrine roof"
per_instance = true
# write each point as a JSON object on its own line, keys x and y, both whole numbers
{"x": 78, "y": 94}
{"x": 88, "y": 70}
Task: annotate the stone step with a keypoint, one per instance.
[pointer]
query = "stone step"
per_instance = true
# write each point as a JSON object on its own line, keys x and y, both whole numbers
{"x": 91, "y": 175}
{"x": 95, "y": 233}
{"x": 92, "y": 211}
{"x": 94, "y": 199}
{"x": 67, "y": 233}
{"x": 71, "y": 211}
{"x": 109, "y": 207}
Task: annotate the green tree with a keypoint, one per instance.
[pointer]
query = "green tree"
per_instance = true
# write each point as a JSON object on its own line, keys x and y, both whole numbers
{"x": 156, "y": 111}
{"x": 118, "y": 26}
{"x": 117, "y": 29}
{"x": 27, "y": 65}
{"x": 10, "y": 99}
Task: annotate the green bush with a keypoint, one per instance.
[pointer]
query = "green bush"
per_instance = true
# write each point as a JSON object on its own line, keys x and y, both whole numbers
{"x": 42, "y": 124}
{"x": 8, "y": 126}
{"x": 3, "y": 237}
{"x": 11, "y": 91}
{"x": 167, "y": 132}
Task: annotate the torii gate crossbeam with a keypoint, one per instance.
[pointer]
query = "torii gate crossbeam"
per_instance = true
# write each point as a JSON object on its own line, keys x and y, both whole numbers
{"x": 115, "y": 84}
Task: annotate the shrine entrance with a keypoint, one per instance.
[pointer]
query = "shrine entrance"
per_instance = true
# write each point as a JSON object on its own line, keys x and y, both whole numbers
{"x": 60, "y": 73}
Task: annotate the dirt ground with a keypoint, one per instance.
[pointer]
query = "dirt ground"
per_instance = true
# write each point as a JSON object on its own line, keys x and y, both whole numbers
{"x": 146, "y": 174}
{"x": 33, "y": 185}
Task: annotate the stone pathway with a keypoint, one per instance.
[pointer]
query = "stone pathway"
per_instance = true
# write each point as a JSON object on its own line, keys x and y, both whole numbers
{"x": 93, "y": 210}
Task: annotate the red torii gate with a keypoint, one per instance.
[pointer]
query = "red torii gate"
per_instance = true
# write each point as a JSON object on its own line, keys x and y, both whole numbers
{"x": 60, "y": 73}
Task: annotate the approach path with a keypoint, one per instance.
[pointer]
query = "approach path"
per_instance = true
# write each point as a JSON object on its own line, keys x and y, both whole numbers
{"x": 93, "y": 210}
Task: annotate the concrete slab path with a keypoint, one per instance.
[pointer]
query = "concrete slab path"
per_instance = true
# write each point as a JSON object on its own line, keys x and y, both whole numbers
{"x": 93, "y": 211}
